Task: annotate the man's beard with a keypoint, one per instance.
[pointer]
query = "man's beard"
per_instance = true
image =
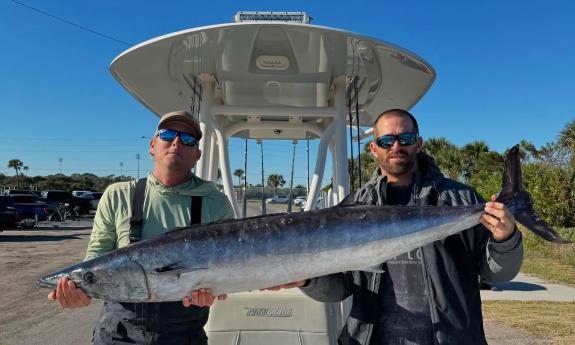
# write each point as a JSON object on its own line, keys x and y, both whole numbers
{"x": 399, "y": 168}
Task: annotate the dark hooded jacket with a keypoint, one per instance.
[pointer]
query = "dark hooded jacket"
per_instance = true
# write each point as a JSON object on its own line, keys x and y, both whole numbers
{"x": 451, "y": 267}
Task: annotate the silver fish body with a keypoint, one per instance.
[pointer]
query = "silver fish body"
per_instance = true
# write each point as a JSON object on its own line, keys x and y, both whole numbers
{"x": 259, "y": 252}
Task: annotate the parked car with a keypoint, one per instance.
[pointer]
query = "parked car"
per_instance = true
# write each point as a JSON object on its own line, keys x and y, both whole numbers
{"x": 317, "y": 205}
{"x": 278, "y": 199}
{"x": 75, "y": 204}
{"x": 24, "y": 198}
{"x": 27, "y": 213}
{"x": 20, "y": 192}
{"x": 29, "y": 206}
{"x": 80, "y": 192}
{"x": 8, "y": 214}
{"x": 299, "y": 201}
{"x": 94, "y": 198}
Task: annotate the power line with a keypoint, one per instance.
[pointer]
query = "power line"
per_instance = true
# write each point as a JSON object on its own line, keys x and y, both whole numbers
{"x": 73, "y": 24}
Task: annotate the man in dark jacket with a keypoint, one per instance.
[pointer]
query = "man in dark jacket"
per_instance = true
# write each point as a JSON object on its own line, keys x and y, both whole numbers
{"x": 428, "y": 296}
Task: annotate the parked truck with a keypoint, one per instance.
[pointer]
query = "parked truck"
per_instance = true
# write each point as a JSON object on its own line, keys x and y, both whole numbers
{"x": 27, "y": 209}
{"x": 76, "y": 205}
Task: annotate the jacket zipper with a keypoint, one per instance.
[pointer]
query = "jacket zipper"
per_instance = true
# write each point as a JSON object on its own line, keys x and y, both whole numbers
{"x": 431, "y": 302}
{"x": 429, "y": 297}
{"x": 370, "y": 327}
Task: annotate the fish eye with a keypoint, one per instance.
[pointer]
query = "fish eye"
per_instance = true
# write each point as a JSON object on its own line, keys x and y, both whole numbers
{"x": 89, "y": 277}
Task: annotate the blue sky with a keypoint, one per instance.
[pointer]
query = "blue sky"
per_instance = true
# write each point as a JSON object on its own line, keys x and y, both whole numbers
{"x": 505, "y": 72}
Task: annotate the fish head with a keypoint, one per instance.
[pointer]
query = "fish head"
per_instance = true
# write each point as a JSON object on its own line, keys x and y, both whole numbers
{"x": 109, "y": 277}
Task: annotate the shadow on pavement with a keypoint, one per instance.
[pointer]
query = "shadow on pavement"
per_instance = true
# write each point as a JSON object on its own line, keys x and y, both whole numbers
{"x": 520, "y": 286}
{"x": 64, "y": 227}
{"x": 36, "y": 238}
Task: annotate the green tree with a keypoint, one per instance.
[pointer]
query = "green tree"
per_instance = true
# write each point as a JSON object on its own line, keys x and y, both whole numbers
{"x": 275, "y": 181}
{"x": 447, "y": 156}
{"x": 434, "y": 146}
{"x": 486, "y": 178}
{"x": 328, "y": 186}
{"x": 567, "y": 140}
{"x": 471, "y": 157}
{"x": 239, "y": 173}
{"x": 16, "y": 164}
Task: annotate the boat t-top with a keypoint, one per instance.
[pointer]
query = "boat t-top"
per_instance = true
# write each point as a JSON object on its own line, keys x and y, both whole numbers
{"x": 273, "y": 75}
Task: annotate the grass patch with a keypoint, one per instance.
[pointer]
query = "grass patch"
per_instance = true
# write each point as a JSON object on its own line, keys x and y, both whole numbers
{"x": 550, "y": 270}
{"x": 551, "y": 262}
{"x": 552, "y": 320}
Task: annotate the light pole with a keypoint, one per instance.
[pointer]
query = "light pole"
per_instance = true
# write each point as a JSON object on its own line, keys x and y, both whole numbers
{"x": 60, "y": 160}
{"x": 138, "y": 159}
{"x": 291, "y": 179}
{"x": 121, "y": 169}
{"x": 261, "y": 142}
{"x": 307, "y": 150}
{"x": 245, "y": 177}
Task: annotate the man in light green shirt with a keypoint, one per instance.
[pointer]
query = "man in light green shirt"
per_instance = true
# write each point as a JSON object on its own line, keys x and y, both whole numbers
{"x": 165, "y": 208}
{"x": 167, "y": 204}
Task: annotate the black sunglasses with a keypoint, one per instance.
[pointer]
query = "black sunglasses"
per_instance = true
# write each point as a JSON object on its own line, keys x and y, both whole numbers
{"x": 185, "y": 138}
{"x": 404, "y": 139}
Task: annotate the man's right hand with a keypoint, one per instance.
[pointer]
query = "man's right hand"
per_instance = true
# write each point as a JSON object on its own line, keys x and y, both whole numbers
{"x": 68, "y": 295}
{"x": 299, "y": 283}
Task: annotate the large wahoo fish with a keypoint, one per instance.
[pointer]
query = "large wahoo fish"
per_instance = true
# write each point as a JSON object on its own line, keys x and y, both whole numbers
{"x": 264, "y": 251}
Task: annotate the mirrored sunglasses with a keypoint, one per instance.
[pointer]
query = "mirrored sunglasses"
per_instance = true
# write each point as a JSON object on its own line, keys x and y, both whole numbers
{"x": 404, "y": 139}
{"x": 170, "y": 135}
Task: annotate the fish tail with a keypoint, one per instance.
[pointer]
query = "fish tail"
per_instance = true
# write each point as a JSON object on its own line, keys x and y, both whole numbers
{"x": 519, "y": 201}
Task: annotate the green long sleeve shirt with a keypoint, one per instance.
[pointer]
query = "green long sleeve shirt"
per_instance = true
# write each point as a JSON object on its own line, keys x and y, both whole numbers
{"x": 164, "y": 209}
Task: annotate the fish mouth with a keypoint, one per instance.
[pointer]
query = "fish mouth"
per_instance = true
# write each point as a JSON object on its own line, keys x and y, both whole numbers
{"x": 45, "y": 283}
{"x": 49, "y": 281}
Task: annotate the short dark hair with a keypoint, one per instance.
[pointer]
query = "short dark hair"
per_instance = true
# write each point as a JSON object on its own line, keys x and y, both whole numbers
{"x": 398, "y": 112}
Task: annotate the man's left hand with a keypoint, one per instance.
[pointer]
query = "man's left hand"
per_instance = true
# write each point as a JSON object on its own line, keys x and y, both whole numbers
{"x": 202, "y": 298}
{"x": 498, "y": 219}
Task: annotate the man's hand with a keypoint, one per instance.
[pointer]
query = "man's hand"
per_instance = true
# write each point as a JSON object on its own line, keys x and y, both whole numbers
{"x": 202, "y": 298}
{"x": 498, "y": 219}
{"x": 299, "y": 283}
{"x": 68, "y": 295}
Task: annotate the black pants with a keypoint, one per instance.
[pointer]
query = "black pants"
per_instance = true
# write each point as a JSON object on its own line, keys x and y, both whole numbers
{"x": 164, "y": 323}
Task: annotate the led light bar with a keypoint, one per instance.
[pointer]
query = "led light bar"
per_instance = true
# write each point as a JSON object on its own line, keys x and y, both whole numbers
{"x": 291, "y": 17}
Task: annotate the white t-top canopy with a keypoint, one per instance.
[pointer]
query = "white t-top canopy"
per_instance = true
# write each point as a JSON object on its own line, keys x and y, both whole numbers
{"x": 273, "y": 80}
{"x": 271, "y": 64}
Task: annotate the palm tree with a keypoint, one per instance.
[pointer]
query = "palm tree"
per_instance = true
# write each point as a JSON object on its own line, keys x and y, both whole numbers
{"x": 434, "y": 146}
{"x": 275, "y": 180}
{"x": 451, "y": 163}
{"x": 25, "y": 168}
{"x": 475, "y": 149}
{"x": 239, "y": 173}
{"x": 567, "y": 140}
{"x": 470, "y": 155}
{"x": 447, "y": 156}
{"x": 17, "y": 165}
